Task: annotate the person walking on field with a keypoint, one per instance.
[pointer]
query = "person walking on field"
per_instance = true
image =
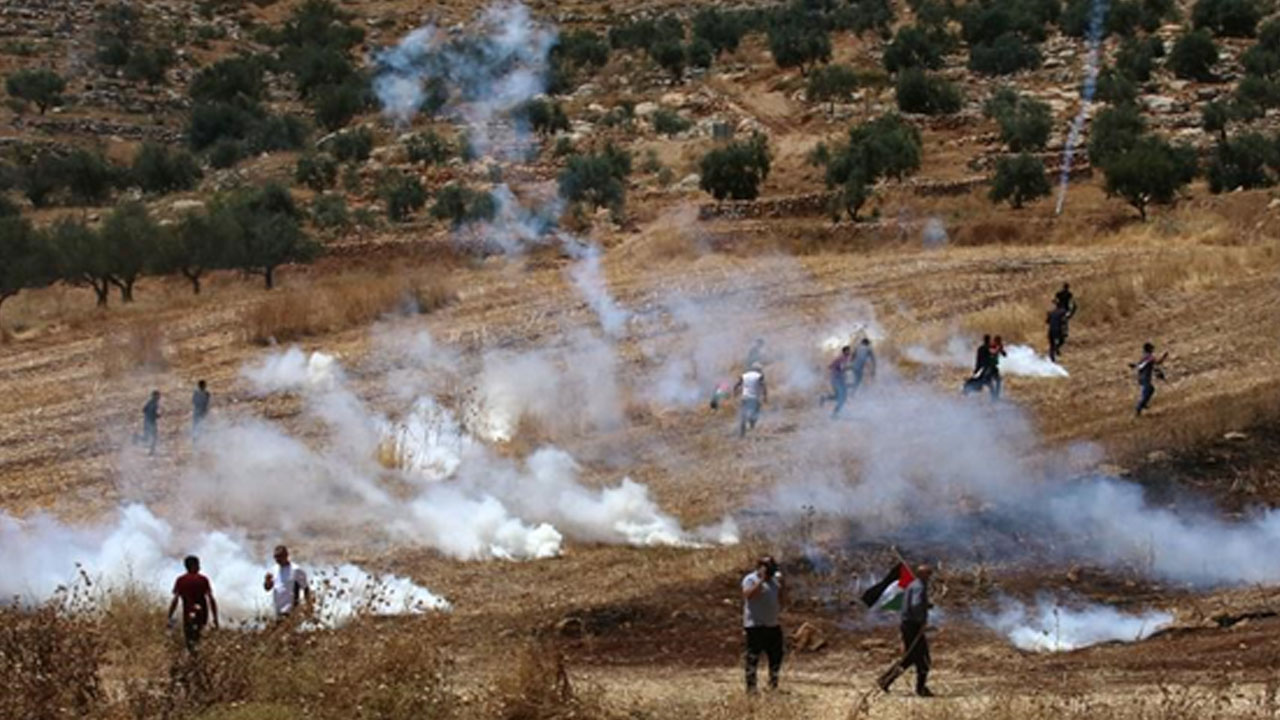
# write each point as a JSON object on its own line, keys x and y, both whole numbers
{"x": 863, "y": 357}
{"x": 915, "y": 617}
{"x": 288, "y": 586}
{"x": 199, "y": 407}
{"x": 754, "y": 393}
{"x": 762, "y": 596}
{"x": 839, "y": 384}
{"x": 150, "y": 420}
{"x": 196, "y": 595}
{"x": 1066, "y": 302}
{"x": 1146, "y": 368}
{"x": 1057, "y": 322}
{"x": 993, "y": 367}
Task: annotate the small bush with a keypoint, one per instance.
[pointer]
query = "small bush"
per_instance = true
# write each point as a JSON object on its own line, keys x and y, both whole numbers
{"x": 317, "y": 171}
{"x": 1227, "y": 18}
{"x": 226, "y": 153}
{"x": 149, "y": 64}
{"x": 1193, "y": 56}
{"x": 915, "y": 47}
{"x": 736, "y": 170}
{"x": 158, "y": 169}
{"x": 831, "y": 83}
{"x": 918, "y": 92}
{"x": 335, "y": 105}
{"x": 721, "y": 30}
{"x": 1007, "y": 54}
{"x": 51, "y": 661}
{"x": 461, "y": 205}
{"x": 350, "y": 145}
{"x": 1136, "y": 57}
{"x": 1115, "y": 87}
{"x": 1242, "y": 162}
{"x": 41, "y": 87}
{"x": 669, "y": 122}
{"x": 797, "y": 41}
{"x": 403, "y": 195}
{"x": 329, "y": 212}
{"x": 1115, "y": 131}
{"x": 1025, "y": 123}
{"x": 429, "y": 148}
{"x": 1019, "y": 179}
{"x": 596, "y": 180}
{"x": 545, "y": 117}
{"x": 671, "y": 55}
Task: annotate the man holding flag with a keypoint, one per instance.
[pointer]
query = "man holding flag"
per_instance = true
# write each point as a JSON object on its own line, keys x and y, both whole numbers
{"x": 909, "y": 594}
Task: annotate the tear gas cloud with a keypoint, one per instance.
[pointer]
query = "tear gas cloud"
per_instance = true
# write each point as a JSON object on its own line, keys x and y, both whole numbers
{"x": 1051, "y": 626}
{"x": 500, "y": 63}
{"x": 138, "y": 549}
{"x": 913, "y": 465}
{"x": 958, "y": 352}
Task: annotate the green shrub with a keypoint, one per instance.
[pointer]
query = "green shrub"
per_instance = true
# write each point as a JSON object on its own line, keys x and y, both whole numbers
{"x": 669, "y": 122}
{"x": 159, "y": 169}
{"x": 918, "y": 92}
{"x": 915, "y": 47}
{"x": 350, "y": 145}
{"x": 317, "y": 171}
{"x": 41, "y": 87}
{"x": 1150, "y": 171}
{"x": 831, "y": 83}
{"x": 1025, "y": 123}
{"x": 402, "y": 194}
{"x": 1227, "y": 18}
{"x": 1018, "y": 179}
{"x": 1007, "y": 54}
{"x": 736, "y": 170}
{"x": 461, "y": 205}
{"x": 1193, "y": 56}
{"x": 428, "y": 147}
{"x": 329, "y": 212}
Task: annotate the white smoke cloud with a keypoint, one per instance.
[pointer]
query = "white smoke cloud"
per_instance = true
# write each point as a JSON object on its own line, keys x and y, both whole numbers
{"x": 138, "y": 549}
{"x": 1054, "y": 627}
{"x": 293, "y": 370}
{"x": 499, "y": 63}
{"x": 588, "y": 278}
{"x": 1021, "y": 360}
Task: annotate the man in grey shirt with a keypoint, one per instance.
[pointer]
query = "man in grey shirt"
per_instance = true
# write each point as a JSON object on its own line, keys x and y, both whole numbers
{"x": 915, "y": 616}
{"x": 762, "y": 603}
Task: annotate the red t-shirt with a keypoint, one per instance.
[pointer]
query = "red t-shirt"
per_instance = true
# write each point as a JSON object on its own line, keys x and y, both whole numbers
{"x": 194, "y": 590}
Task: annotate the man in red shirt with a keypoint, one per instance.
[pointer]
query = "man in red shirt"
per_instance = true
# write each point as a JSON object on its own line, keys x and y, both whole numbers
{"x": 196, "y": 594}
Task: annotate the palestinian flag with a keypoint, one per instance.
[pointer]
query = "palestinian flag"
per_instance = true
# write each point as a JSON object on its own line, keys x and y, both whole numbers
{"x": 887, "y": 594}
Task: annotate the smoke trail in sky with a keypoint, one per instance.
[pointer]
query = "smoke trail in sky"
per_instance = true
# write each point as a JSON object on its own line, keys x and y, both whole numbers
{"x": 1097, "y": 18}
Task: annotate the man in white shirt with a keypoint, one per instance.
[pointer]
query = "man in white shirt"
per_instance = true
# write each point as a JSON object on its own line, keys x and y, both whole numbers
{"x": 754, "y": 393}
{"x": 288, "y": 586}
{"x": 761, "y": 606}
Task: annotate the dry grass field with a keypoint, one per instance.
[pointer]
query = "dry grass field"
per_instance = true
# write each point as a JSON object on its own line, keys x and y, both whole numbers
{"x": 614, "y": 629}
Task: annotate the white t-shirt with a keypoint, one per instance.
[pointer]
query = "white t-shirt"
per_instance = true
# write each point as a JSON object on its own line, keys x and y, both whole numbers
{"x": 752, "y": 381}
{"x": 288, "y": 585}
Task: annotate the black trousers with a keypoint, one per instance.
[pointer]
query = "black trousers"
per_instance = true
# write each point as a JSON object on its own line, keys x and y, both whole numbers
{"x": 191, "y": 633}
{"x": 916, "y": 647}
{"x": 767, "y": 640}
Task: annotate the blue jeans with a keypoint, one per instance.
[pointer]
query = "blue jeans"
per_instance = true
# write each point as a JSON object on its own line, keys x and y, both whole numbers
{"x": 748, "y": 413}
{"x": 839, "y": 393}
{"x": 1144, "y": 399}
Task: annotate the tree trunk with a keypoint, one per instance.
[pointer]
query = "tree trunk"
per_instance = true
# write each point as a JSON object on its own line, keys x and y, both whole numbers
{"x": 101, "y": 288}
{"x": 269, "y": 273}
{"x": 194, "y": 277}
{"x": 126, "y": 287}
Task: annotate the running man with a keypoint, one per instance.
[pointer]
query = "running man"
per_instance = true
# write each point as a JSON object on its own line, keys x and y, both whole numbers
{"x": 839, "y": 385}
{"x": 1146, "y": 368}
{"x": 199, "y": 407}
{"x": 863, "y": 358}
{"x": 754, "y": 394}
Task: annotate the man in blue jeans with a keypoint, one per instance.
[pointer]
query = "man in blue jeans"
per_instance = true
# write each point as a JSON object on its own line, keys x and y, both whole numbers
{"x": 761, "y": 606}
{"x": 1147, "y": 367}
{"x": 839, "y": 385}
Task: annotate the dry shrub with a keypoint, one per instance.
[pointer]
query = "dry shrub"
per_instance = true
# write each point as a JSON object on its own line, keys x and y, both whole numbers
{"x": 675, "y": 235}
{"x": 49, "y": 663}
{"x": 343, "y": 301}
{"x": 537, "y": 687}
{"x": 1019, "y": 321}
{"x": 141, "y": 346}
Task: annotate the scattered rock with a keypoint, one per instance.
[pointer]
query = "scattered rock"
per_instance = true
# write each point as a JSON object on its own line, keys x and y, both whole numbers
{"x": 692, "y": 181}
{"x": 675, "y": 99}
{"x": 645, "y": 109}
{"x": 1236, "y": 434}
{"x": 570, "y": 627}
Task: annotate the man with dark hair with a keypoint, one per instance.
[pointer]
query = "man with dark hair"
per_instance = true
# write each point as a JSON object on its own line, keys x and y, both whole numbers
{"x": 915, "y": 616}
{"x": 981, "y": 368}
{"x": 150, "y": 419}
{"x": 762, "y": 604}
{"x": 1147, "y": 367}
{"x": 288, "y": 586}
{"x": 994, "y": 353}
{"x": 196, "y": 595}
{"x": 839, "y": 385}
{"x": 199, "y": 407}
